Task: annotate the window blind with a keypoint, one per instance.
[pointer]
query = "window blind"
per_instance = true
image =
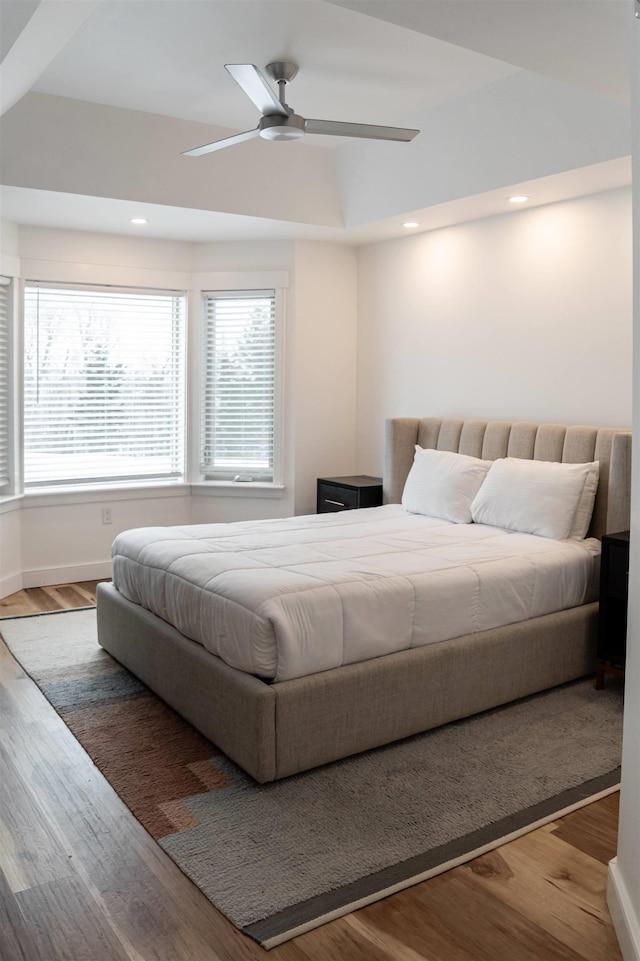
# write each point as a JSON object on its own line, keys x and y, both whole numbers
{"x": 103, "y": 384}
{"x": 238, "y": 397}
{"x": 5, "y": 423}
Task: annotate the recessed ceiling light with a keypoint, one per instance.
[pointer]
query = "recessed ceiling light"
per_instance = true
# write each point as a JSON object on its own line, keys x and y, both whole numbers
{"x": 519, "y": 199}
{"x": 138, "y": 220}
{"x": 411, "y": 223}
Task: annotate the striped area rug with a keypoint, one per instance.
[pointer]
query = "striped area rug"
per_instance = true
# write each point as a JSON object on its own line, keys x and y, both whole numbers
{"x": 281, "y": 858}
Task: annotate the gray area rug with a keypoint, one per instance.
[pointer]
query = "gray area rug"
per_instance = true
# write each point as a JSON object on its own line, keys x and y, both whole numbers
{"x": 280, "y": 858}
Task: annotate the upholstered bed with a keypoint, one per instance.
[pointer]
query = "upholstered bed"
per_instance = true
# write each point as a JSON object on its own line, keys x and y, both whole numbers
{"x": 281, "y": 706}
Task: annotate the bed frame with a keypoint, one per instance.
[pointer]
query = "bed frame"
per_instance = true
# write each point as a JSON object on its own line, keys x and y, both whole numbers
{"x": 275, "y": 730}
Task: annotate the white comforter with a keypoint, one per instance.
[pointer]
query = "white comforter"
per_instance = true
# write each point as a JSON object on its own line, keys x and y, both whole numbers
{"x": 285, "y": 598}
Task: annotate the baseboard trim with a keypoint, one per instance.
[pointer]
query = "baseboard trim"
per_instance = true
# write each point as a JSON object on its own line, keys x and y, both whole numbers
{"x": 11, "y": 585}
{"x": 625, "y": 921}
{"x": 66, "y": 575}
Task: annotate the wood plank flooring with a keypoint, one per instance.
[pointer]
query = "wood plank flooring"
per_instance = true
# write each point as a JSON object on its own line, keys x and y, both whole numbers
{"x": 81, "y": 880}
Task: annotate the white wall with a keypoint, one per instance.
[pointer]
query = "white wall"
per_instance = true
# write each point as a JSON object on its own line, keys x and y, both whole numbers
{"x": 10, "y": 526}
{"x": 8, "y": 239}
{"x": 624, "y": 876}
{"x": 325, "y": 354}
{"x": 82, "y": 250}
{"x": 10, "y": 552}
{"x": 523, "y": 316}
{"x": 68, "y": 541}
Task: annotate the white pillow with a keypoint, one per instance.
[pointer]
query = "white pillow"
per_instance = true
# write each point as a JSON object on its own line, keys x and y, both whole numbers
{"x": 582, "y": 519}
{"x": 443, "y": 484}
{"x": 532, "y": 496}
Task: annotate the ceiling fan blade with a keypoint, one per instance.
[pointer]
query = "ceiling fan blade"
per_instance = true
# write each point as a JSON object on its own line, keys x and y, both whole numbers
{"x": 247, "y": 76}
{"x": 335, "y": 128}
{"x": 219, "y": 144}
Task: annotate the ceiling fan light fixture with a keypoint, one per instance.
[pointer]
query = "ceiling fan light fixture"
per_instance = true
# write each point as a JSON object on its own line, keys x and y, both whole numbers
{"x": 282, "y": 132}
{"x": 276, "y": 127}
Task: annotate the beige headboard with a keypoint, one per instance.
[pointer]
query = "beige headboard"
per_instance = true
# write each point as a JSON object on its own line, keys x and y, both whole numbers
{"x": 498, "y": 438}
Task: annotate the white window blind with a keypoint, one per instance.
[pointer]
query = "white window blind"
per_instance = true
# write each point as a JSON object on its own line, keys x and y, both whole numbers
{"x": 239, "y": 386}
{"x": 103, "y": 385}
{"x": 5, "y": 424}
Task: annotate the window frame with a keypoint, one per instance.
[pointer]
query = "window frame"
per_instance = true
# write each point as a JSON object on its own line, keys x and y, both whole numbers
{"x": 224, "y": 481}
{"x": 59, "y": 487}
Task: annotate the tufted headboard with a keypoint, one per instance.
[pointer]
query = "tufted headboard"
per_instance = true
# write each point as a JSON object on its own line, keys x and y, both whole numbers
{"x": 498, "y": 438}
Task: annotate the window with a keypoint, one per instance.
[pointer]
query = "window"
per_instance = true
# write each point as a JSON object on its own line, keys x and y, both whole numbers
{"x": 240, "y": 402}
{"x": 103, "y": 385}
{"x": 5, "y": 431}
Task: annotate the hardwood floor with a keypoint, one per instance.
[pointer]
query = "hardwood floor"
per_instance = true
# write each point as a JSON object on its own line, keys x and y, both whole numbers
{"x": 81, "y": 880}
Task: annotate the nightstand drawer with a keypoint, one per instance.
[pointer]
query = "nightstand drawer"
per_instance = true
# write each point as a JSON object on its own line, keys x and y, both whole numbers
{"x": 348, "y": 493}
{"x": 331, "y": 498}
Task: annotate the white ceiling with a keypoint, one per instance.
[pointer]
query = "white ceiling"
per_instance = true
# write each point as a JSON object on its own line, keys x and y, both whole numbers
{"x": 167, "y": 58}
{"x": 574, "y": 41}
{"x": 554, "y": 71}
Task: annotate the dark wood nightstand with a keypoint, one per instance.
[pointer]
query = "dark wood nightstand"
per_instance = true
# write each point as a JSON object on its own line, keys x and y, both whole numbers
{"x": 614, "y": 594}
{"x": 348, "y": 493}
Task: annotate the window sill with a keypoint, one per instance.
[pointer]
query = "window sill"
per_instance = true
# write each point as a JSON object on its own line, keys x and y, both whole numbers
{"x": 130, "y": 492}
{"x": 86, "y": 495}
{"x": 231, "y": 489}
{"x": 10, "y": 502}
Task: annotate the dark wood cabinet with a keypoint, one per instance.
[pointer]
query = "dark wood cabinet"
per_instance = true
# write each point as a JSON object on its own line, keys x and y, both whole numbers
{"x": 614, "y": 595}
{"x": 348, "y": 493}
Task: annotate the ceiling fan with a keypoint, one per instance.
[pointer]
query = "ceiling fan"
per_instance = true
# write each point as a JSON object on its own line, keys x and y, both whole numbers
{"x": 279, "y": 122}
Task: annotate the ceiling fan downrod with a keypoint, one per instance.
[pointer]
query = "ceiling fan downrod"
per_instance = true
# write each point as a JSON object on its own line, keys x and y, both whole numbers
{"x": 290, "y": 127}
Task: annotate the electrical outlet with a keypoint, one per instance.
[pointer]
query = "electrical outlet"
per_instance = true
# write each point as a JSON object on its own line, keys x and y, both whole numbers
{"x": 106, "y": 515}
